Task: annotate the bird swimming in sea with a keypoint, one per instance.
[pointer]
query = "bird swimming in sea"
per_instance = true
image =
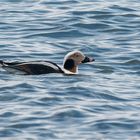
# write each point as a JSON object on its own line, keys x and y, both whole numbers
{"x": 70, "y": 65}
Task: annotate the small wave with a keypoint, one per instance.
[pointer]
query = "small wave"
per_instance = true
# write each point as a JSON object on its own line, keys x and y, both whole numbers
{"x": 60, "y": 34}
{"x": 83, "y": 12}
{"x": 122, "y": 8}
{"x": 95, "y": 26}
{"x": 132, "y": 62}
{"x": 8, "y": 114}
{"x": 105, "y": 69}
{"x": 112, "y": 97}
{"x": 64, "y": 2}
{"x": 108, "y": 124}
{"x": 67, "y": 113}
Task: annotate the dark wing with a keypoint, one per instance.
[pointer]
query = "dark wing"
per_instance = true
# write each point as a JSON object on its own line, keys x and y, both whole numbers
{"x": 34, "y": 67}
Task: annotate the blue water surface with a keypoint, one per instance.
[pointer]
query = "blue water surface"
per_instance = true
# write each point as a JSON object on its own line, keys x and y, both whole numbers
{"x": 102, "y": 102}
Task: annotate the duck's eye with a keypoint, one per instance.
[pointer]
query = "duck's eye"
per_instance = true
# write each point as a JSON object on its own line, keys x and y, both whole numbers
{"x": 77, "y": 55}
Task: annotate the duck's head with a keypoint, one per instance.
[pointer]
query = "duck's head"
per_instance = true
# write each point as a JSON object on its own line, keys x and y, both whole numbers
{"x": 73, "y": 59}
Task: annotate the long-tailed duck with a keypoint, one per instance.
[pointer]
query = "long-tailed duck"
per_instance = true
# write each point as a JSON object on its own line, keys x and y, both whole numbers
{"x": 70, "y": 65}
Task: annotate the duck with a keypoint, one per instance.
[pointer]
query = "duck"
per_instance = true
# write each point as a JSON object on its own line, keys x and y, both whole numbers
{"x": 70, "y": 65}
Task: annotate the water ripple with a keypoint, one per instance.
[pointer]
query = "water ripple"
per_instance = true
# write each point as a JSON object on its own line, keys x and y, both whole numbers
{"x": 102, "y": 101}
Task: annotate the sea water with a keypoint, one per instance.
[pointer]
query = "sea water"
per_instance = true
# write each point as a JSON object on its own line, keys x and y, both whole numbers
{"x": 102, "y": 102}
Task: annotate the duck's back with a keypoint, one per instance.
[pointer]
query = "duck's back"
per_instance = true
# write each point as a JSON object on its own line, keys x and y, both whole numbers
{"x": 33, "y": 67}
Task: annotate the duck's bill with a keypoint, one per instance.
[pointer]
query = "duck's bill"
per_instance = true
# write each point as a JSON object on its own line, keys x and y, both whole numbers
{"x": 87, "y": 59}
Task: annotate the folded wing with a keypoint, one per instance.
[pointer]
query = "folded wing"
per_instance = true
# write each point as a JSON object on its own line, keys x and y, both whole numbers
{"x": 34, "y": 67}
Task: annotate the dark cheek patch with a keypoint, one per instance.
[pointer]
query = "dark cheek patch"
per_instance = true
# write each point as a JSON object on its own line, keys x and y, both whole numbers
{"x": 69, "y": 64}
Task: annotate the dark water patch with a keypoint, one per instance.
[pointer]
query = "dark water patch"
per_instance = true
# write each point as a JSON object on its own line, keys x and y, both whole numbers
{"x": 32, "y": 118}
{"x": 12, "y": 1}
{"x": 9, "y": 132}
{"x": 135, "y": 23}
{"x": 131, "y": 65}
{"x": 105, "y": 124}
{"x": 112, "y": 97}
{"x": 63, "y": 2}
{"x": 82, "y": 12}
{"x": 5, "y": 47}
{"x": 133, "y": 62}
{"x": 90, "y": 13}
{"x": 94, "y": 26}
{"x": 7, "y": 115}
{"x": 48, "y": 135}
{"x": 67, "y": 114}
{"x": 103, "y": 16}
{"x": 131, "y": 15}
{"x": 50, "y": 99}
{"x": 25, "y": 125}
{"x": 138, "y": 73}
{"x": 80, "y": 90}
{"x": 17, "y": 13}
{"x": 35, "y": 30}
{"x": 7, "y": 26}
{"x": 121, "y": 8}
{"x": 118, "y": 31}
{"x": 46, "y": 101}
{"x": 105, "y": 69}
{"x": 20, "y": 85}
{"x": 4, "y": 97}
{"x": 60, "y": 34}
